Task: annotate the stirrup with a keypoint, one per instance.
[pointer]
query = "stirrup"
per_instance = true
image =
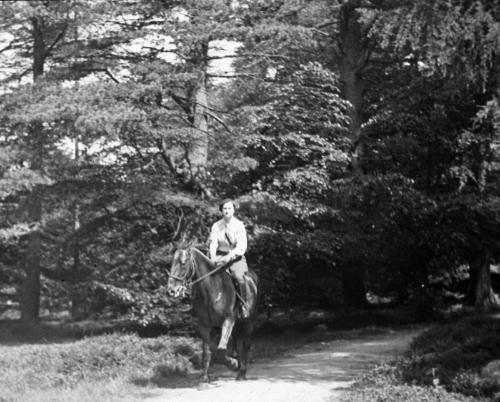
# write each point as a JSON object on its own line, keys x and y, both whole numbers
{"x": 244, "y": 310}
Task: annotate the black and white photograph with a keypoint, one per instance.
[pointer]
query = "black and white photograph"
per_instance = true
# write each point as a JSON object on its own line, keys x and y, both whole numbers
{"x": 250, "y": 201}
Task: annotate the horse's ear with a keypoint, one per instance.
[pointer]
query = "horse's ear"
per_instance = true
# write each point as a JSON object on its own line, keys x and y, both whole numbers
{"x": 183, "y": 242}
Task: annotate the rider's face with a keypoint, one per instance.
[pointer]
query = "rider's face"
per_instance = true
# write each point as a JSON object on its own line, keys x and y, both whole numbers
{"x": 228, "y": 210}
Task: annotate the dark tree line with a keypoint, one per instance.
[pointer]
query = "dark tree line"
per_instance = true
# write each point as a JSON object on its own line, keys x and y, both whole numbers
{"x": 359, "y": 137}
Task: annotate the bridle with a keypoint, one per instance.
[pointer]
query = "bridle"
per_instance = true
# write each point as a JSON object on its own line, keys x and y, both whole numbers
{"x": 187, "y": 279}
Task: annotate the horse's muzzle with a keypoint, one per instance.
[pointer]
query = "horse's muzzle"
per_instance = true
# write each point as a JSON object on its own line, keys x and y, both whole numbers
{"x": 178, "y": 291}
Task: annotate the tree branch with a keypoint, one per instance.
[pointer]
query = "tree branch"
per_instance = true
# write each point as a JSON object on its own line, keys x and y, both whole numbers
{"x": 240, "y": 75}
{"x": 58, "y": 38}
{"x": 181, "y": 101}
{"x": 318, "y": 31}
{"x": 268, "y": 55}
{"x": 178, "y": 229}
{"x": 167, "y": 157}
{"x": 326, "y": 24}
{"x": 163, "y": 50}
{"x": 16, "y": 76}
{"x": 220, "y": 121}
{"x": 8, "y": 47}
{"x": 103, "y": 70}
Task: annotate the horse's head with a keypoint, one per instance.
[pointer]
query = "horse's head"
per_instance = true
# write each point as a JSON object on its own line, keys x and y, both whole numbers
{"x": 180, "y": 273}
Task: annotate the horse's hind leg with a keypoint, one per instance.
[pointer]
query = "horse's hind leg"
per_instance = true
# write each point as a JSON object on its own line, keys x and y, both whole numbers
{"x": 243, "y": 346}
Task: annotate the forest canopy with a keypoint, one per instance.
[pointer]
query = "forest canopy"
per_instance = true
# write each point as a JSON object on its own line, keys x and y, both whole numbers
{"x": 360, "y": 140}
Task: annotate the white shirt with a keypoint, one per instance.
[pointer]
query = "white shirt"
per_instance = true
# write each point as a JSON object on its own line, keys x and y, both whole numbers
{"x": 228, "y": 238}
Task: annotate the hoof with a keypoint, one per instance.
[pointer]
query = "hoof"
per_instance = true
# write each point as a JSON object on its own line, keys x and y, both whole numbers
{"x": 241, "y": 376}
{"x": 205, "y": 378}
{"x": 232, "y": 363}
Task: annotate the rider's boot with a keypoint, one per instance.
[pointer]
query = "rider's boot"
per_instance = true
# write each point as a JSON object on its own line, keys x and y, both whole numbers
{"x": 245, "y": 311}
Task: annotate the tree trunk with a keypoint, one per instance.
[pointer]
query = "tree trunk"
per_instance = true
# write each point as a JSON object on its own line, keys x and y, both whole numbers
{"x": 351, "y": 58}
{"x": 30, "y": 294}
{"x": 76, "y": 277}
{"x": 197, "y": 153}
{"x": 198, "y": 149}
{"x": 353, "y": 289}
{"x": 484, "y": 297}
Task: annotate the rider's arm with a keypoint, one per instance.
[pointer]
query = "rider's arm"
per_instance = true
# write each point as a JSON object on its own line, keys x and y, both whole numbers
{"x": 212, "y": 247}
{"x": 241, "y": 241}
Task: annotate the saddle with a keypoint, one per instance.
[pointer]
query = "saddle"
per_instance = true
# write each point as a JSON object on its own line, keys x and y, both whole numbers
{"x": 240, "y": 303}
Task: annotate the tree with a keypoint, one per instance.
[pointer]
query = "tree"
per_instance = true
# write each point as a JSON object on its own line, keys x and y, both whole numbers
{"x": 48, "y": 25}
{"x": 295, "y": 131}
{"x": 161, "y": 110}
{"x": 455, "y": 155}
{"x": 50, "y": 29}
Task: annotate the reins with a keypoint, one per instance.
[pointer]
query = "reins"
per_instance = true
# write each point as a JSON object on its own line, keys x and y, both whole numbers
{"x": 193, "y": 271}
{"x": 210, "y": 273}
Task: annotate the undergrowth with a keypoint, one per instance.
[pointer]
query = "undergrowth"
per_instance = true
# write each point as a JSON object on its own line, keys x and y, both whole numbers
{"x": 443, "y": 364}
{"x": 384, "y": 384}
{"x": 452, "y": 355}
{"x": 28, "y": 369}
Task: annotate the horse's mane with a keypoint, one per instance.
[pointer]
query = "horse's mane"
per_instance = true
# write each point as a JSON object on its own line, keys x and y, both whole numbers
{"x": 202, "y": 256}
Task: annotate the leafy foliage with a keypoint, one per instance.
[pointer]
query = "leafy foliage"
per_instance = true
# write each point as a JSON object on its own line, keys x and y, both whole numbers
{"x": 109, "y": 139}
{"x": 383, "y": 383}
{"x": 456, "y": 352}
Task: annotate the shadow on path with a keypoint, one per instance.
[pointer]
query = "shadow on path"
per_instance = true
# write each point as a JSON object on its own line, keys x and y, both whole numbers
{"x": 315, "y": 372}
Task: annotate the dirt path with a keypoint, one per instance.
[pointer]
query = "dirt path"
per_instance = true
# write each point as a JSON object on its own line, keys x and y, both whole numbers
{"x": 314, "y": 372}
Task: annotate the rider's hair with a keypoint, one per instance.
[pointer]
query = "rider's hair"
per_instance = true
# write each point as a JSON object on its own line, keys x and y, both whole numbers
{"x": 226, "y": 201}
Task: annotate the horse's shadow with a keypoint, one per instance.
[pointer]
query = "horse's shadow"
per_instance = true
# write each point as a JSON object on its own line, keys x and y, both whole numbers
{"x": 167, "y": 381}
{"x": 186, "y": 373}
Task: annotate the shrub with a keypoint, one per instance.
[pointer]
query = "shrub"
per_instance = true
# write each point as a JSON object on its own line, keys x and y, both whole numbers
{"x": 384, "y": 384}
{"x": 454, "y": 354}
{"x": 108, "y": 357}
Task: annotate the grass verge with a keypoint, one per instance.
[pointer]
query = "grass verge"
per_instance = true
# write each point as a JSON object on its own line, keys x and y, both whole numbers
{"x": 384, "y": 384}
{"x": 107, "y": 367}
{"x": 442, "y": 364}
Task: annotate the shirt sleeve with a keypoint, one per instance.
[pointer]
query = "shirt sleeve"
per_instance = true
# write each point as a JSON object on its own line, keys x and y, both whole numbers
{"x": 212, "y": 240}
{"x": 241, "y": 241}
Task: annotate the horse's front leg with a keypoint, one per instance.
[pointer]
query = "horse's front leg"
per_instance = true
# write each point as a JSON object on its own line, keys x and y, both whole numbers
{"x": 207, "y": 354}
{"x": 227, "y": 329}
{"x": 243, "y": 347}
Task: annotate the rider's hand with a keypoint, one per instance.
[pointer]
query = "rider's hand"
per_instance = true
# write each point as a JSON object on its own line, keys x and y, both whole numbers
{"x": 225, "y": 259}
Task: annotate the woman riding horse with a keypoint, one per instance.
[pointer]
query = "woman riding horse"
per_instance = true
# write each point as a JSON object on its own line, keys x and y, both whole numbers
{"x": 227, "y": 243}
{"x": 214, "y": 295}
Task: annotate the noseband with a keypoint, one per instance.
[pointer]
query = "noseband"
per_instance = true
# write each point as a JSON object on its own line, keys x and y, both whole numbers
{"x": 187, "y": 278}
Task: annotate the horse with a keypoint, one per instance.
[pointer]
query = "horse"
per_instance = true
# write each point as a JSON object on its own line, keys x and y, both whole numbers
{"x": 215, "y": 305}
